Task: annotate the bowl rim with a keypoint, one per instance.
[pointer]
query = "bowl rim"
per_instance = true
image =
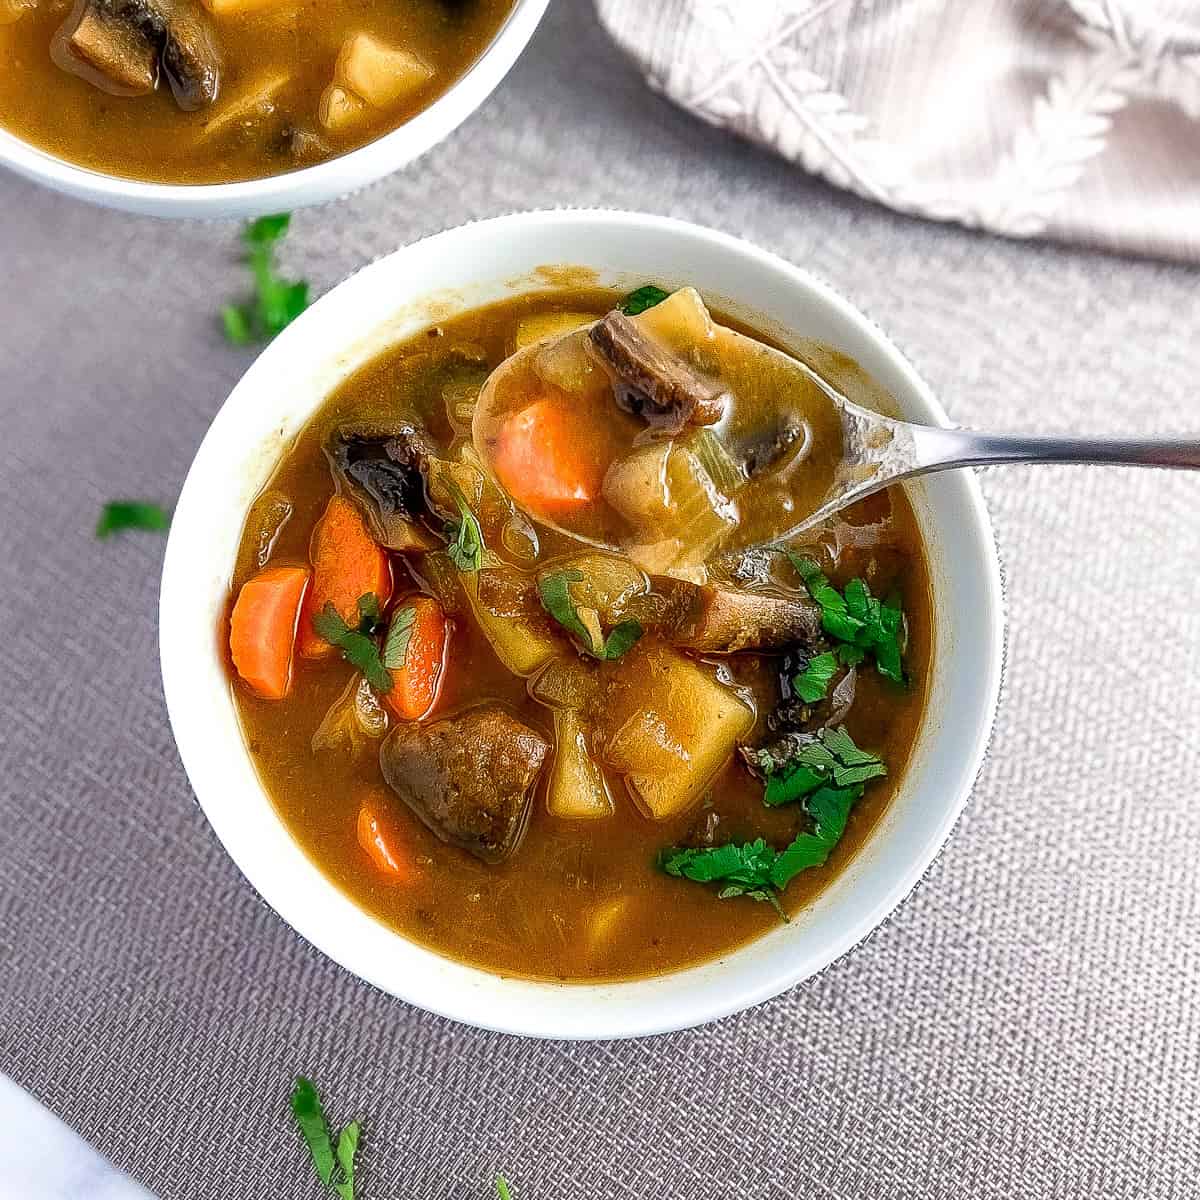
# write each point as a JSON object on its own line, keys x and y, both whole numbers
{"x": 606, "y": 1016}
{"x": 305, "y": 186}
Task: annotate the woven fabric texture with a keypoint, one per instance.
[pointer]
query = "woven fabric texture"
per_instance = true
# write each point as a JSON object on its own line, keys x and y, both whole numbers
{"x": 1026, "y": 1023}
{"x": 1072, "y": 119}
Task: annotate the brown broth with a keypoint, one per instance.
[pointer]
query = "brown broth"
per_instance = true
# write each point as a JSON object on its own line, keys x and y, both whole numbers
{"x": 150, "y": 138}
{"x": 579, "y": 900}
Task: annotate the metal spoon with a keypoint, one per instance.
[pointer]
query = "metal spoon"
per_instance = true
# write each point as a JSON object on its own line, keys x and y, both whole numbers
{"x": 879, "y": 451}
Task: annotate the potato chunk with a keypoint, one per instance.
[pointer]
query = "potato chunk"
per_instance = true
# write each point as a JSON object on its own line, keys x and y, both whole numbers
{"x": 681, "y": 727}
{"x": 380, "y": 74}
{"x": 576, "y": 790}
{"x": 537, "y": 326}
{"x": 520, "y": 644}
{"x": 340, "y": 109}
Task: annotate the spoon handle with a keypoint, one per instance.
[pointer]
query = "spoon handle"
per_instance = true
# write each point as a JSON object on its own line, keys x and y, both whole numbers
{"x": 936, "y": 449}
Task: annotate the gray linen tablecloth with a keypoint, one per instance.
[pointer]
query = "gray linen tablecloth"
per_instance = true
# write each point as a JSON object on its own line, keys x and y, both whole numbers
{"x": 1025, "y": 1026}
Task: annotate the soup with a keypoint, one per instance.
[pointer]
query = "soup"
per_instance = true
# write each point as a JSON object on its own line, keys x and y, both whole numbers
{"x": 521, "y": 669}
{"x": 185, "y": 91}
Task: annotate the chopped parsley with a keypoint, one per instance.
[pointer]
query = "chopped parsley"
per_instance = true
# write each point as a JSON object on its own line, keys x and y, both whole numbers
{"x": 828, "y": 776}
{"x": 334, "y": 1164}
{"x": 358, "y": 644}
{"x": 466, "y": 538}
{"x": 276, "y": 302}
{"x": 647, "y": 296}
{"x": 502, "y": 1189}
{"x": 118, "y": 515}
{"x": 555, "y": 592}
{"x": 857, "y": 619}
{"x": 395, "y": 647}
{"x": 812, "y": 683}
{"x": 831, "y": 758}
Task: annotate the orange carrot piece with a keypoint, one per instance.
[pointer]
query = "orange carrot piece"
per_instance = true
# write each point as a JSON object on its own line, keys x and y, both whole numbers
{"x": 347, "y": 563}
{"x": 262, "y": 629}
{"x": 541, "y": 463}
{"x": 381, "y": 841}
{"x": 417, "y": 684}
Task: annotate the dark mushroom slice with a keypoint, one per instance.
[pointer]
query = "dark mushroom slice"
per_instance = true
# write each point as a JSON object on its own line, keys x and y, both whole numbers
{"x": 113, "y": 55}
{"x": 724, "y": 620}
{"x": 384, "y": 469}
{"x": 190, "y": 60}
{"x": 652, "y": 383}
{"x": 121, "y": 46}
{"x": 470, "y": 778}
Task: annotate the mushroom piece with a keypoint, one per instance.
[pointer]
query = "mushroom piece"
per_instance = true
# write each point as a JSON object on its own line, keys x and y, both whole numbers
{"x": 121, "y": 46}
{"x": 652, "y": 383}
{"x": 470, "y": 778}
{"x": 385, "y": 471}
{"x": 724, "y": 620}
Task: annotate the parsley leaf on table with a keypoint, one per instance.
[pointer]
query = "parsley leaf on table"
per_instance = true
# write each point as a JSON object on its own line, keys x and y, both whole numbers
{"x": 117, "y": 515}
{"x": 502, "y": 1189}
{"x": 357, "y": 645}
{"x": 466, "y": 538}
{"x": 647, "y": 296}
{"x": 310, "y": 1117}
{"x": 555, "y": 593}
{"x": 856, "y": 618}
{"x": 277, "y": 302}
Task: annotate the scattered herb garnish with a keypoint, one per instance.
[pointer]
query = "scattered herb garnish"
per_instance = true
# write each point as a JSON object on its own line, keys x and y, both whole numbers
{"x": 395, "y": 648}
{"x": 335, "y": 1167}
{"x": 831, "y": 758}
{"x": 117, "y": 515}
{"x": 857, "y": 619}
{"x": 828, "y": 775}
{"x": 502, "y": 1188}
{"x": 813, "y": 682}
{"x": 555, "y": 591}
{"x": 357, "y": 645}
{"x": 647, "y": 296}
{"x": 276, "y": 302}
{"x": 466, "y": 538}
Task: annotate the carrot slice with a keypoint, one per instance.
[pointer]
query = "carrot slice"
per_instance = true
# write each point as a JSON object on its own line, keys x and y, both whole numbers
{"x": 416, "y": 684}
{"x": 382, "y": 843}
{"x": 262, "y": 629}
{"x": 540, "y": 462}
{"x": 347, "y": 563}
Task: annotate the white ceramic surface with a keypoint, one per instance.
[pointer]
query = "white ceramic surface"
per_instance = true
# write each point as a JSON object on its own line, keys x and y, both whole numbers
{"x": 401, "y": 294}
{"x": 295, "y": 189}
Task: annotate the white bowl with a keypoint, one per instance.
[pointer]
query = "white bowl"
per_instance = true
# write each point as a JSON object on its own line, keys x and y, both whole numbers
{"x": 295, "y": 189}
{"x": 399, "y": 295}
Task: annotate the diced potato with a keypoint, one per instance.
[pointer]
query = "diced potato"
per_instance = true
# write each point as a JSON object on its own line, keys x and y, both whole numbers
{"x": 537, "y": 326}
{"x": 340, "y": 109}
{"x": 680, "y": 322}
{"x": 381, "y": 74}
{"x": 636, "y": 486}
{"x": 682, "y": 727}
{"x": 576, "y": 789}
{"x": 518, "y": 642}
{"x": 247, "y": 105}
{"x": 566, "y": 364}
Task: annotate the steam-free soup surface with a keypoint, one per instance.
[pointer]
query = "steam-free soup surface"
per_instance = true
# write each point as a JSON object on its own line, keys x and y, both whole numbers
{"x": 180, "y": 91}
{"x": 582, "y": 896}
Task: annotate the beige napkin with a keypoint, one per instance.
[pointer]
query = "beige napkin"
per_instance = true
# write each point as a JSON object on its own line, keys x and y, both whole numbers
{"x": 1074, "y": 119}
